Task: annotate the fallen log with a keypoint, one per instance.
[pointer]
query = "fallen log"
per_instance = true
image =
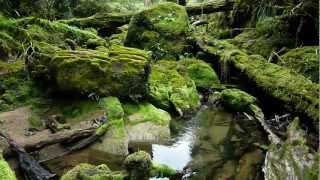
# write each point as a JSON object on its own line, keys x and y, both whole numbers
{"x": 210, "y": 7}
{"x": 296, "y": 93}
{"x": 83, "y": 143}
{"x": 65, "y": 136}
{"x": 106, "y": 23}
{"x": 31, "y": 168}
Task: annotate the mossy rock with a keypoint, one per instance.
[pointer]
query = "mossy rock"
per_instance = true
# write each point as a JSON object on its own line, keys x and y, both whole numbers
{"x": 30, "y": 30}
{"x": 90, "y": 172}
{"x": 304, "y": 60}
{"x": 161, "y": 29}
{"x": 237, "y": 100}
{"x": 138, "y": 165}
{"x": 145, "y": 112}
{"x": 168, "y": 89}
{"x": 200, "y": 72}
{"x": 118, "y": 71}
{"x": 6, "y": 173}
{"x": 115, "y": 117}
{"x": 293, "y": 158}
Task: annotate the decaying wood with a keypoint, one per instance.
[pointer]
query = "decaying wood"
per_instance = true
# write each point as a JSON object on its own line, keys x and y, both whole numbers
{"x": 104, "y": 23}
{"x": 65, "y": 136}
{"x": 28, "y": 164}
{"x": 210, "y": 7}
{"x": 200, "y": 22}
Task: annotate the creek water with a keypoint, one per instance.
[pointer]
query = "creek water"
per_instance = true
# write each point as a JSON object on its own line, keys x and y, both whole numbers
{"x": 209, "y": 144}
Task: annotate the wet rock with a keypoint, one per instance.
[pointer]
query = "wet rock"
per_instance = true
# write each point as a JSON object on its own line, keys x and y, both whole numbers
{"x": 161, "y": 29}
{"x": 304, "y": 60}
{"x": 292, "y": 159}
{"x": 237, "y": 100}
{"x": 249, "y": 165}
{"x": 119, "y": 71}
{"x": 170, "y": 90}
{"x": 88, "y": 171}
{"x": 138, "y": 165}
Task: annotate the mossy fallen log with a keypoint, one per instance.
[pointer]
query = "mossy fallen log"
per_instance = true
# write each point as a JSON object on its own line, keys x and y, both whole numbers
{"x": 106, "y": 23}
{"x": 297, "y": 93}
{"x": 117, "y": 71}
{"x": 210, "y": 7}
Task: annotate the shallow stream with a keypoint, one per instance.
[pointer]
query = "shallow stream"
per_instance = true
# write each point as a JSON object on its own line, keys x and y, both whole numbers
{"x": 212, "y": 143}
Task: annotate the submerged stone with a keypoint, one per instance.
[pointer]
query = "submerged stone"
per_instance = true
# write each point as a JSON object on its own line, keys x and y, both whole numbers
{"x": 304, "y": 60}
{"x": 161, "y": 29}
{"x": 237, "y": 100}
{"x": 120, "y": 71}
{"x": 169, "y": 89}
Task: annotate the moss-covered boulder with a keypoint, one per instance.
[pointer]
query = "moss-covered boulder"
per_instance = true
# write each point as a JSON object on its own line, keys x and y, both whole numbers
{"x": 169, "y": 89}
{"x": 146, "y": 123}
{"x": 5, "y": 171}
{"x": 237, "y": 100}
{"x": 304, "y": 60}
{"x": 114, "y": 140}
{"x": 138, "y": 165}
{"x": 199, "y": 71}
{"x": 90, "y": 172}
{"x": 161, "y": 29}
{"x": 117, "y": 71}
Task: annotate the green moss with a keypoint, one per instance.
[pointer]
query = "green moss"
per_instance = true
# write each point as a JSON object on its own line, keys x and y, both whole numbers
{"x": 168, "y": 89}
{"x": 35, "y": 121}
{"x": 162, "y": 170}
{"x": 145, "y": 112}
{"x": 30, "y": 29}
{"x": 304, "y": 60}
{"x": 115, "y": 117}
{"x": 138, "y": 165}
{"x": 297, "y": 93}
{"x": 90, "y": 172}
{"x": 292, "y": 158}
{"x": 237, "y": 100}
{"x": 200, "y": 72}
{"x": 270, "y": 35}
{"x": 10, "y": 68}
{"x": 120, "y": 71}
{"x": 8, "y": 46}
{"x": 6, "y": 173}
{"x": 161, "y": 29}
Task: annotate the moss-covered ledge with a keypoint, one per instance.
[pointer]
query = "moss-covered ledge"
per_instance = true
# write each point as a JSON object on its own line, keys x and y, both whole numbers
{"x": 297, "y": 93}
{"x": 117, "y": 71}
